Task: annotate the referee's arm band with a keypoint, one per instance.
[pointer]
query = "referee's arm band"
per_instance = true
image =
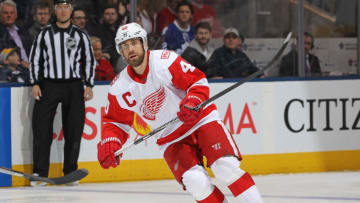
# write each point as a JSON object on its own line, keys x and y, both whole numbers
{"x": 87, "y": 84}
{"x": 35, "y": 83}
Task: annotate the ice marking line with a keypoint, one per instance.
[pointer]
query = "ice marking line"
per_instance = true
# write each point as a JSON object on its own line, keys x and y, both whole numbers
{"x": 186, "y": 194}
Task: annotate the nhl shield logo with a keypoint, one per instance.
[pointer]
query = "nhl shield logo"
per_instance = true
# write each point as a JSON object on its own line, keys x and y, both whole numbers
{"x": 71, "y": 43}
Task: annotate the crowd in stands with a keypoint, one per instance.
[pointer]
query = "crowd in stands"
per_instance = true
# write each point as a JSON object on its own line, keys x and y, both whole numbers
{"x": 186, "y": 27}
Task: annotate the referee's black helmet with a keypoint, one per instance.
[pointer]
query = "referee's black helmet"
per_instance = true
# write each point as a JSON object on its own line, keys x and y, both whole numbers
{"x": 62, "y": 2}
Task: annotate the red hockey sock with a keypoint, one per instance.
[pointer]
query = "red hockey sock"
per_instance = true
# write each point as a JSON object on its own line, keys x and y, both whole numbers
{"x": 215, "y": 197}
{"x": 241, "y": 184}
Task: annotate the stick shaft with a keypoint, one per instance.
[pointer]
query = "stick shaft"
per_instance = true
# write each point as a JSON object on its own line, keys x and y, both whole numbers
{"x": 24, "y": 175}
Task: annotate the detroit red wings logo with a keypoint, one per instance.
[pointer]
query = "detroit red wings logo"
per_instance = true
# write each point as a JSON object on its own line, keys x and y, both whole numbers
{"x": 153, "y": 103}
{"x": 165, "y": 54}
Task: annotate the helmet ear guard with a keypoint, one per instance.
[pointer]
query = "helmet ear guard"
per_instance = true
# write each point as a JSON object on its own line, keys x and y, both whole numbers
{"x": 130, "y": 31}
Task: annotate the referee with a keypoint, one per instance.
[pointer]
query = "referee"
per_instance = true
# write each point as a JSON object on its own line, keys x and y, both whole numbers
{"x": 62, "y": 62}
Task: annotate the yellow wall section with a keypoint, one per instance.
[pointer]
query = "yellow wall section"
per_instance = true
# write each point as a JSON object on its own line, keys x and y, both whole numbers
{"x": 136, "y": 170}
{"x": 302, "y": 162}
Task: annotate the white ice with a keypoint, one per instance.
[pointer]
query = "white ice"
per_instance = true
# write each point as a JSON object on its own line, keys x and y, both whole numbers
{"x": 329, "y": 187}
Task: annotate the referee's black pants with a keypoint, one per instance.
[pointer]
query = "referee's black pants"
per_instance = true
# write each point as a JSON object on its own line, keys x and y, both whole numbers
{"x": 71, "y": 96}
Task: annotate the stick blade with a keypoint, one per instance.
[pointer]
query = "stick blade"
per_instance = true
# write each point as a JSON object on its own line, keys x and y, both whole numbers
{"x": 71, "y": 177}
{"x": 68, "y": 178}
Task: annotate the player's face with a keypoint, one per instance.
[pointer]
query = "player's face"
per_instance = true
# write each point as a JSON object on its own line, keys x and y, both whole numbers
{"x": 133, "y": 52}
{"x": 203, "y": 36}
{"x": 63, "y": 12}
{"x": 8, "y": 14}
{"x": 184, "y": 14}
{"x": 231, "y": 41}
{"x": 42, "y": 16}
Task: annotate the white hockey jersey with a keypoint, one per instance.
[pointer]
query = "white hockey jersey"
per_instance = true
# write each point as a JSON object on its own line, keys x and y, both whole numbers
{"x": 152, "y": 99}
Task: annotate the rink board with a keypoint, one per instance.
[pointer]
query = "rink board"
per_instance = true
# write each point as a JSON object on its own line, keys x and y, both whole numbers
{"x": 156, "y": 169}
{"x": 279, "y": 126}
{"x": 5, "y": 136}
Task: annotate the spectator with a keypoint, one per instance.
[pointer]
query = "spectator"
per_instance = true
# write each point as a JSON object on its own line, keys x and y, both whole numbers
{"x": 107, "y": 32}
{"x": 104, "y": 70}
{"x": 124, "y": 14}
{"x": 179, "y": 34}
{"x": 241, "y": 42}
{"x": 199, "y": 51}
{"x": 111, "y": 2}
{"x": 12, "y": 70}
{"x": 204, "y": 12}
{"x": 12, "y": 35}
{"x": 42, "y": 15}
{"x": 79, "y": 19}
{"x": 228, "y": 61}
{"x": 96, "y": 10}
{"x": 148, "y": 14}
{"x": 24, "y": 11}
{"x": 289, "y": 63}
{"x": 166, "y": 15}
{"x": 92, "y": 11}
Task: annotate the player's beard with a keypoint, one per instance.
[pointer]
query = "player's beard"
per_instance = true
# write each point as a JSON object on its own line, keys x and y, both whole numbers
{"x": 136, "y": 62}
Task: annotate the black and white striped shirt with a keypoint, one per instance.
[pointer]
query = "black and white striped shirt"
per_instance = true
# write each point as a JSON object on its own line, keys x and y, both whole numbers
{"x": 62, "y": 54}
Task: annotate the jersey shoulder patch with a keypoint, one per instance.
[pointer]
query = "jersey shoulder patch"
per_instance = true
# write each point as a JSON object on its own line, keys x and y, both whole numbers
{"x": 165, "y": 54}
{"x": 159, "y": 66}
{"x": 163, "y": 58}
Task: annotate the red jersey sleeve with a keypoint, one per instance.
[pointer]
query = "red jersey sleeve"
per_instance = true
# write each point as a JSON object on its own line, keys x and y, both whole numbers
{"x": 117, "y": 121}
{"x": 188, "y": 78}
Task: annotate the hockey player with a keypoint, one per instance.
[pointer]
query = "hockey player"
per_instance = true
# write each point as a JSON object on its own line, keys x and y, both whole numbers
{"x": 158, "y": 85}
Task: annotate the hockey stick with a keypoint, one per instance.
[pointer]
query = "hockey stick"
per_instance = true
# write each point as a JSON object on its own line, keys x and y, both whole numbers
{"x": 68, "y": 178}
{"x": 246, "y": 79}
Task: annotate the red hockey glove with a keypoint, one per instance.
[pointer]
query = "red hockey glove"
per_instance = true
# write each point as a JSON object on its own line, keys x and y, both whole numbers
{"x": 187, "y": 115}
{"x": 106, "y": 152}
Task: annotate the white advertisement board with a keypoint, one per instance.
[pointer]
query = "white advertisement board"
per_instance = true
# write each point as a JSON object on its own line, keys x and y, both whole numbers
{"x": 265, "y": 118}
{"x": 292, "y": 116}
{"x": 21, "y": 116}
